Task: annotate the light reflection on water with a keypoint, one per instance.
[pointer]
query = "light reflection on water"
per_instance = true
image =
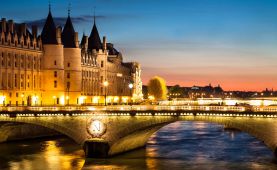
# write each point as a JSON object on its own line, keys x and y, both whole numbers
{"x": 181, "y": 145}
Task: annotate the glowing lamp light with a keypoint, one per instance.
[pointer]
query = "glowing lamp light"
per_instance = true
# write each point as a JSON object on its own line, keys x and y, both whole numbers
{"x": 131, "y": 85}
{"x": 106, "y": 83}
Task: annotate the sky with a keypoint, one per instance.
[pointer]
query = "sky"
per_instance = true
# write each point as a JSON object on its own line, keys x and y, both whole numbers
{"x": 187, "y": 42}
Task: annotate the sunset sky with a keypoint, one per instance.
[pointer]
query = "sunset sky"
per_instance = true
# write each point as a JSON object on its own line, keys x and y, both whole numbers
{"x": 188, "y": 42}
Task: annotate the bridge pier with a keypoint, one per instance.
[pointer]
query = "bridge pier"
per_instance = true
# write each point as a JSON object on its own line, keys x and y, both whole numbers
{"x": 96, "y": 149}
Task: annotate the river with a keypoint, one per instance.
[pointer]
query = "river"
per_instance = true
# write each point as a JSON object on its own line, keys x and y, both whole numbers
{"x": 180, "y": 145}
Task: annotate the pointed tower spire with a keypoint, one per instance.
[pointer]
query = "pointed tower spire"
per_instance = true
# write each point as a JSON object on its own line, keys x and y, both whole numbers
{"x": 94, "y": 18}
{"x": 48, "y": 34}
{"x": 94, "y": 41}
{"x": 68, "y": 34}
{"x": 49, "y": 5}
{"x": 69, "y": 8}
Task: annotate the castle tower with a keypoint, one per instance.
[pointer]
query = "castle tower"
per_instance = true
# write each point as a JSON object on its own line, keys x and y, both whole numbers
{"x": 53, "y": 64}
{"x": 95, "y": 47}
{"x": 72, "y": 64}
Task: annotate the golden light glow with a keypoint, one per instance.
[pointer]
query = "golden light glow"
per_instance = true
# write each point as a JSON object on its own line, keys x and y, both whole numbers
{"x": 95, "y": 99}
{"x": 131, "y": 85}
{"x": 151, "y": 97}
{"x": 124, "y": 99}
{"x": 105, "y": 83}
{"x": 2, "y": 99}
{"x": 116, "y": 98}
{"x": 230, "y": 102}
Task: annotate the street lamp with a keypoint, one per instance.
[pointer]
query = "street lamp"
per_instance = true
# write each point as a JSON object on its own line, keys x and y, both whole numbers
{"x": 67, "y": 98}
{"x": 131, "y": 87}
{"x": 105, "y": 85}
{"x": 54, "y": 98}
{"x": 22, "y": 99}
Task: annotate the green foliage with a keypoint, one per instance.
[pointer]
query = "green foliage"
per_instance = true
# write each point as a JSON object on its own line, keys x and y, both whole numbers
{"x": 157, "y": 88}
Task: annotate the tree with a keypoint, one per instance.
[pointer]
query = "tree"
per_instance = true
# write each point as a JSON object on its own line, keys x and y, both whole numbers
{"x": 157, "y": 88}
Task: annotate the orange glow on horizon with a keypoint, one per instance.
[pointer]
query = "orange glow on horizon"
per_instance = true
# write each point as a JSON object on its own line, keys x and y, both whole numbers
{"x": 240, "y": 84}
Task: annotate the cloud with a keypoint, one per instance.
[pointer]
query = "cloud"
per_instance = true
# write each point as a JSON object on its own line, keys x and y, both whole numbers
{"x": 60, "y": 21}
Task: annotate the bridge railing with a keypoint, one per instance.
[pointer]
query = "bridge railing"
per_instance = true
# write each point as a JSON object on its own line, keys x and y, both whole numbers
{"x": 142, "y": 108}
{"x": 265, "y": 109}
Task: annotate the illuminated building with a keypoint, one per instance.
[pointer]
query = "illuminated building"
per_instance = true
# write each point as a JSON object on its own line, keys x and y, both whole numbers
{"x": 55, "y": 69}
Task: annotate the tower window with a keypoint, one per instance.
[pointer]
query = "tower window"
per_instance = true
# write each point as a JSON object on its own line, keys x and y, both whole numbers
{"x": 55, "y": 84}
{"x": 68, "y": 75}
{"x": 55, "y": 74}
{"x": 55, "y": 62}
{"x": 102, "y": 63}
{"x": 68, "y": 64}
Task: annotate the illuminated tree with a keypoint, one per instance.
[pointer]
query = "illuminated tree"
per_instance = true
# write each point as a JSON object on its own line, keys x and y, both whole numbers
{"x": 157, "y": 89}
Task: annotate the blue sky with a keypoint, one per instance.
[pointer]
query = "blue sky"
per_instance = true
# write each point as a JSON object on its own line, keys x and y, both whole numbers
{"x": 188, "y": 42}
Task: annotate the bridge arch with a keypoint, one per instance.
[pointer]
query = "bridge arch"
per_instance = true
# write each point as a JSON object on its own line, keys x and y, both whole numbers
{"x": 48, "y": 124}
{"x": 134, "y": 137}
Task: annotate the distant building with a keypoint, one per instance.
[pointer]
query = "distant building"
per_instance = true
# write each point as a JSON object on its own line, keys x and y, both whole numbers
{"x": 54, "y": 69}
{"x": 206, "y": 92}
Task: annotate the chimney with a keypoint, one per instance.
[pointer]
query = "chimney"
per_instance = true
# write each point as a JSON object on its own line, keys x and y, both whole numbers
{"x": 104, "y": 43}
{"x": 76, "y": 39}
{"x": 34, "y": 30}
{"x": 23, "y": 29}
{"x": 4, "y": 25}
{"x": 86, "y": 42}
{"x": 11, "y": 26}
{"x": 58, "y": 35}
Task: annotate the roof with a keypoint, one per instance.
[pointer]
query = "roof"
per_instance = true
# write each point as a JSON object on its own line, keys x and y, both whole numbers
{"x": 68, "y": 34}
{"x": 111, "y": 49}
{"x": 48, "y": 34}
{"x": 94, "y": 41}
{"x": 83, "y": 41}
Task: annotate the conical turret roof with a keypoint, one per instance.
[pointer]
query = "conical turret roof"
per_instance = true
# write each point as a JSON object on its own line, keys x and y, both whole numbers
{"x": 94, "y": 41}
{"x": 68, "y": 34}
{"x": 48, "y": 34}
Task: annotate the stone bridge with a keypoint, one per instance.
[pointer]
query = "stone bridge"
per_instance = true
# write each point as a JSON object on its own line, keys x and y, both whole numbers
{"x": 104, "y": 134}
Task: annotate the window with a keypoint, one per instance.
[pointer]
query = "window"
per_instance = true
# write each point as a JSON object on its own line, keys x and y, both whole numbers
{"x": 55, "y": 62}
{"x": 68, "y": 75}
{"x": 15, "y": 61}
{"x": 102, "y": 63}
{"x": 15, "y": 80}
{"x": 55, "y": 74}
{"x": 68, "y": 64}
{"x": 55, "y": 84}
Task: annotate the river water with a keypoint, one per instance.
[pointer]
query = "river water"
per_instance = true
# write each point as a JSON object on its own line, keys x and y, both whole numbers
{"x": 181, "y": 145}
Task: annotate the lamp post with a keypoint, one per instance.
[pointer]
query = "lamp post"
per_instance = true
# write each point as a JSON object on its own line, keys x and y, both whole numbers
{"x": 131, "y": 87}
{"x": 54, "y": 98}
{"x": 106, "y": 85}
{"x": 22, "y": 99}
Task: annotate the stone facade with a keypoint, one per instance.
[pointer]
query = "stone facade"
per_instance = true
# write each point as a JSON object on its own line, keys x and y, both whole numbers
{"x": 55, "y": 69}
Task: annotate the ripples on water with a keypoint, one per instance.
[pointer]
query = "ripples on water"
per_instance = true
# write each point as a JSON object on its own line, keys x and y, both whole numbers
{"x": 181, "y": 145}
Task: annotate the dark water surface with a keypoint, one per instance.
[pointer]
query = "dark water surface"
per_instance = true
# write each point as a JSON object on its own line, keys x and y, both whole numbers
{"x": 181, "y": 145}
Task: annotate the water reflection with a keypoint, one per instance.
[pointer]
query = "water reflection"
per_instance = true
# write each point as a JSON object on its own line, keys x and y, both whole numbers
{"x": 182, "y": 145}
{"x": 61, "y": 153}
